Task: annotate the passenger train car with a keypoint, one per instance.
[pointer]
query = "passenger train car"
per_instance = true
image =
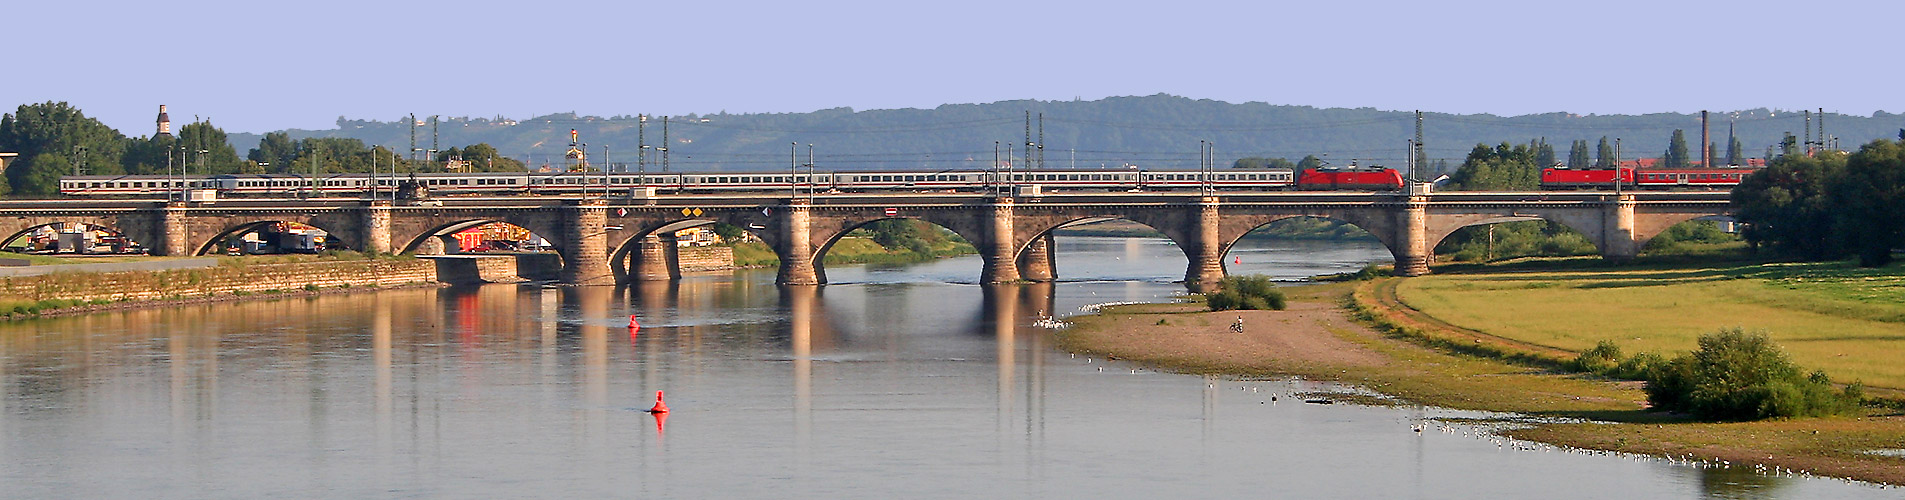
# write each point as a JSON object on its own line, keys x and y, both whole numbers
{"x": 1645, "y": 178}
{"x": 290, "y": 185}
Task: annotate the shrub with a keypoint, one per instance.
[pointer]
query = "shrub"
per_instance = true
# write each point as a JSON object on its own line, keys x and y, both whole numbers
{"x": 1740, "y": 376}
{"x": 310, "y": 287}
{"x": 1246, "y": 292}
{"x": 1602, "y": 359}
{"x": 1638, "y": 367}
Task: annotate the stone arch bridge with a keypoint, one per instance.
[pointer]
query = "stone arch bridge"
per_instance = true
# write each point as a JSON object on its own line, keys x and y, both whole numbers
{"x": 605, "y": 241}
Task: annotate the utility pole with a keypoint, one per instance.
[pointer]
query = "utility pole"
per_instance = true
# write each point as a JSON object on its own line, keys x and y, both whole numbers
{"x": 1617, "y": 169}
{"x": 810, "y": 172}
{"x": 664, "y": 144}
{"x": 1041, "y": 141}
{"x": 1415, "y": 174}
{"x": 433, "y": 139}
{"x": 1822, "y": 129}
{"x": 1028, "y": 139}
{"x": 997, "y": 168}
{"x": 641, "y": 144}
{"x": 79, "y": 160}
{"x": 1808, "y": 132}
{"x": 168, "y": 165}
{"x": 413, "y": 137}
{"x": 793, "y": 171}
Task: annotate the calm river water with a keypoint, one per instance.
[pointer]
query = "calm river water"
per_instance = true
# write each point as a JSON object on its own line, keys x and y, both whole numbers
{"x": 894, "y": 382}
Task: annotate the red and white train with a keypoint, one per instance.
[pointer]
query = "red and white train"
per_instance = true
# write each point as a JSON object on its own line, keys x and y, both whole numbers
{"x": 495, "y": 183}
{"x": 288, "y": 185}
{"x": 1645, "y": 178}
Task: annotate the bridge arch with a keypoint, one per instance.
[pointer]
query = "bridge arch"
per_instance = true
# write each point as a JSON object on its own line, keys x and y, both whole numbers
{"x": 212, "y": 245}
{"x": 22, "y": 230}
{"x": 1589, "y": 224}
{"x": 1646, "y": 229}
{"x": 834, "y": 235}
{"x": 649, "y": 253}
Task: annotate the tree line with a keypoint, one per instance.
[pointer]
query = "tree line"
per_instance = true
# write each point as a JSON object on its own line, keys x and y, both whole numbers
{"x": 1828, "y": 205}
{"x": 55, "y": 139}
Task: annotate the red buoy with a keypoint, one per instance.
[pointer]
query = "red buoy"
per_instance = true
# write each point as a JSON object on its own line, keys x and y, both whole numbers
{"x": 660, "y": 407}
{"x": 1238, "y": 260}
{"x": 632, "y": 323}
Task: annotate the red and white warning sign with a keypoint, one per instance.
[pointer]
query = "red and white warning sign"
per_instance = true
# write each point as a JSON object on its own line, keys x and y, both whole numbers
{"x": 891, "y": 212}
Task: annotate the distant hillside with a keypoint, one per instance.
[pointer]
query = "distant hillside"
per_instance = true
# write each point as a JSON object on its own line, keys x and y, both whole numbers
{"x": 1158, "y": 131}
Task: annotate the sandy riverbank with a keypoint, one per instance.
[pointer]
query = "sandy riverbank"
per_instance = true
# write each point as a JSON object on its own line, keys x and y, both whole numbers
{"x": 1318, "y": 338}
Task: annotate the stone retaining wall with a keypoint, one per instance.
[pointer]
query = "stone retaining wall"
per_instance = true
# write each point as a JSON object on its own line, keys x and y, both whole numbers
{"x": 709, "y": 258}
{"x": 211, "y": 281}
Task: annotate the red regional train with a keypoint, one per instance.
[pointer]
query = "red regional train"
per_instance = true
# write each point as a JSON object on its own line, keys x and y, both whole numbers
{"x": 1647, "y": 178}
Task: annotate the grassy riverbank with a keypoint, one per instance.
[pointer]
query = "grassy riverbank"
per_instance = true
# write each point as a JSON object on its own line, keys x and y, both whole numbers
{"x": 852, "y": 250}
{"x": 1359, "y": 333}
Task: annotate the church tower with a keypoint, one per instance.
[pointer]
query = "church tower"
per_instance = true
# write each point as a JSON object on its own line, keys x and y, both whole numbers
{"x": 165, "y": 123}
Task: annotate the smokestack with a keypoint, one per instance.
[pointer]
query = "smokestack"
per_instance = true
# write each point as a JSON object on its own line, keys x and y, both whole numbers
{"x": 1706, "y": 142}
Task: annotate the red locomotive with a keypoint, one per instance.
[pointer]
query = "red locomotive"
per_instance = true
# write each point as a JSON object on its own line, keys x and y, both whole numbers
{"x": 1350, "y": 179}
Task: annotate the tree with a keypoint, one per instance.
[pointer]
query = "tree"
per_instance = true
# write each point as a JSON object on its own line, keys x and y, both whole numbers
{"x": 1787, "y": 209}
{"x": 1578, "y": 154}
{"x": 58, "y": 129}
{"x": 1504, "y": 168}
{"x": 1309, "y": 162}
{"x": 1870, "y": 201}
{"x": 1676, "y": 156}
{"x": 1257, "y": 162}
{"x": 149, "y": 155}
{"x": 484, "y": 158}
{"x": 1544, "y": 154}
{"x": 1604, "y": 154}
{"x": 39, "y": 175}
{"x": 275, "y": 149}
{"x": 209, "y": 151}
{"x": 1735, "y": 154}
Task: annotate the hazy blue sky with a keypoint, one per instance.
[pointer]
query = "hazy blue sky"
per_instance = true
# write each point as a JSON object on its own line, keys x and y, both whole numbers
{"x": 257, "y": 66}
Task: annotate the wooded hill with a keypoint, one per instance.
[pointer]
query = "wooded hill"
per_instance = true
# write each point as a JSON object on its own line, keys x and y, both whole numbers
{"x": 1158, "y": 131}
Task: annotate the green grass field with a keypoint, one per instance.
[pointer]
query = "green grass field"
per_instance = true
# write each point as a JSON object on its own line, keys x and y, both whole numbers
{"x": 1835, "y": 317}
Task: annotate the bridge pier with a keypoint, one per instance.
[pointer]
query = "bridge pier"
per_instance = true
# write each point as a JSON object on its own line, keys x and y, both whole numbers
{"x": 1035, "y": 263}
{"x": 376, "y": 228}
{"x": 586, "y": 243}
{"x": 1617, "y": 230}
{"x": 172, "y": 233}
{"x": 999, "y": 253}
{"x": 1413, "y": 253}
{"x": 1206, "y": 252}
{"x": 796, "y": 250}
{"x": 655, "y": 259}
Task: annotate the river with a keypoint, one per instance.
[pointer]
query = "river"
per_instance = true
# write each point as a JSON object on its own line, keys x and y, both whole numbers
{"x": 904, "y": 381}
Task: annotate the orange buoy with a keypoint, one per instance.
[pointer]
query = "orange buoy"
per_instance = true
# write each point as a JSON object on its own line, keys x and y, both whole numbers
{"x": 660, "y": 407}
